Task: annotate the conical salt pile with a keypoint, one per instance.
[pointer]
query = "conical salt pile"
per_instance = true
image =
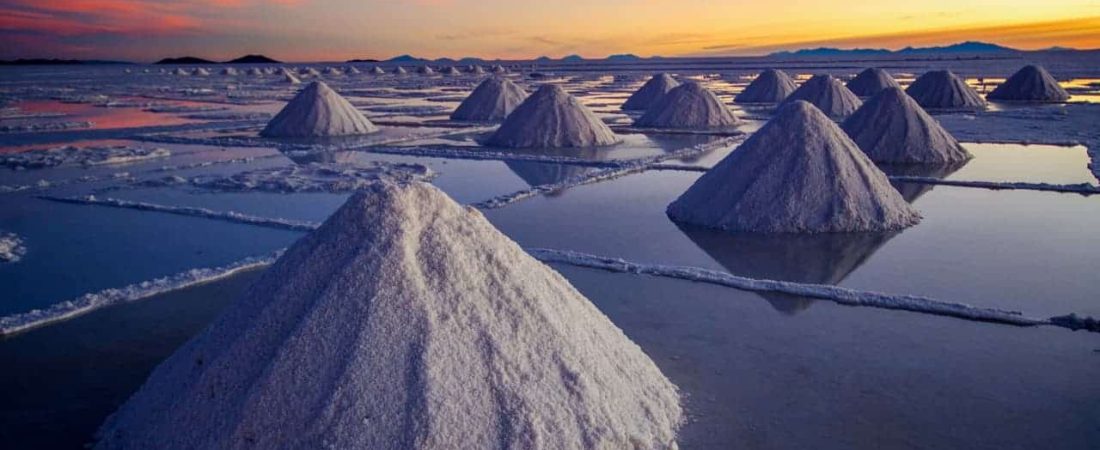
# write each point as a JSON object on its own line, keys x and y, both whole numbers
{"x": 318, "y": 111}
{"x": 425, "y": 70}
{"x": 255, "y": 72}
{"x": 499, "y": 69}
{"x": 377, "y": 70}
{"x": 331, "y": 71}
{"x": 452, "y": 71}
{"x": 405, "y": 321}
{"x": 798, "y": 174}
{"x": 892, "y": 128}
{"x": 771, "y": 86}
{"x": 871, "y": 81}
{"x": 943, "y": 89}
{"x": 476, "y": 70}
{"x": 399, "y": 70}
{"x": 229, "y": 71}
{"x": 689, "y": 106}
{"x": 181, "y": 72}
{"x": 290, "y": 78}
{"x": 491, "y": 101}
{"x": 652, "y": 90}
{"x": 201, "y": 72}
{"x": 352, "y": 71}
{"x": 552, "y": 118}
{"x": 1030, "y": 84}
{"x": 309, "y": 71}
{"x": 828, "y": 94}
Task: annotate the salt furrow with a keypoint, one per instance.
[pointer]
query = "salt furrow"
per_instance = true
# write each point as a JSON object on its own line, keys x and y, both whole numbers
{"x": 479, "y": 154}
{"x": 90, "y": 302}
{"x": 199, "y": 165}
{"x": 49, "y": 126}
{"x": 840, "y": 295}
{"x": 620, "y": 169}
{"x": 229, "y": 216}
{"x": 1082, "y": 188}
{"x": 45, "y": 184}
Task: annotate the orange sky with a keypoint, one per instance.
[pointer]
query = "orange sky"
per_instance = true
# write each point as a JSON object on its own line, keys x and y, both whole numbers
{"x": 303, "y": 30}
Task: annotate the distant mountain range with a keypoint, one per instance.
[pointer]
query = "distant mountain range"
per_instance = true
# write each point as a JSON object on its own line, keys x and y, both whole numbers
{"x": 969, "y": 47}
{"x": 247, "y": 59}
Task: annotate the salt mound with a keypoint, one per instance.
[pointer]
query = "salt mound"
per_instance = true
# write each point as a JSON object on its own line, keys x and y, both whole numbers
{"x": 309, "y": 71}
{"x": 331, "y": 71}
{"x": 404, "y": 321}
{"x": 943, "y": 89}
{"x": 499, "y": 69}
{"x": 377, "y": 70}
{"x": 425, "y": 70}
{"x": 492, "y": 100}
{"x": 229, "y": 71}
{"x": 828, "y": 94}
{"x": 650, "y": 92}
{"x": 352, "y": 71}
{"x": 399, "y": 70}
{"x": 255, "y": 72}
{"x": 476, "y": 70}
{"x": 1030, "y": 84}
{"x": 552, "y": 118}
{"x": 290, "y": 78}
{"x": 871, "y": 81}
{"x": 771, "y": 86}
{"x": 689, "y": 106}
{"x": 315, "y": 112}
{"x": 201, "y": 72}
{"x": 798, "y": 174}
{"x": 181, "y": 72}
{"x": 892, "y": 128}
{"x": 452, "y": 71}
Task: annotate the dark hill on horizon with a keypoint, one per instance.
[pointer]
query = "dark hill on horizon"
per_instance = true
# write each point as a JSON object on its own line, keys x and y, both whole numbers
{"x": 253, "y": 59}
{"x": 247, "y": 59}
{"x": 969, "y": 47}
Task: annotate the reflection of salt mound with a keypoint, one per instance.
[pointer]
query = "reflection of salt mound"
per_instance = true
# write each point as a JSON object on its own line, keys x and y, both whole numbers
{"x": 652, "y": 90}
{"x": 377, "y": 70}
{"x": 1030, "y": 84}
{"x": 828, "y": 94}
{"x": 823, "y": 258}
{"x": 492, "y": 100}
{"x": 399, "y": 70}
{"x": 425, "y": 70}
{"x": 912, "y": 191}
{"x": 799, "y": 174}
{"x": 892, "y": 128}
{"x": 552, "y": 118}
{"x": 871, "y": 81}
{"x": 541, "y": 173}
{"x": 318, "y": 111}
{"x": 405, "y": 321}
{"x": 943, "y": 89}
{"x": 771, "y": 86}
{"x": 689, "y": 106}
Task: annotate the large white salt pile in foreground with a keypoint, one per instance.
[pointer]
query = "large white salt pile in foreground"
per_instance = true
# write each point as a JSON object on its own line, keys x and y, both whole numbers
{"x": 1030, "y": 84}
{"x": 892, "y": 128}
{"x": 405, "y": 321}
{"x": 871, "y": 81}
{"x": 318, "y": 111}
{"x": 828, "y": 94}
{"x": 944, "y": 89}
{"x": 771, "y": 86}
{"x": 492, "y": 100}
{"x": 689, "y": 106}
{"x": 798, "y": 174}
{"x": 652, "y": 90}
{"x": 552, "y": 118}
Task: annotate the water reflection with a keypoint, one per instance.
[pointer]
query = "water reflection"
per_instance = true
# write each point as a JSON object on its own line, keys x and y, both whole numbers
{"x": 825, "y": 258}
{"x": 304, "y": 158}
{"x": 912, "y": 191}
{"x": 539, "y": 173}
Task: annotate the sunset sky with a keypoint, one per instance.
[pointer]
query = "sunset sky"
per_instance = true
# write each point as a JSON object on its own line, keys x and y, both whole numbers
{"x": 318, "y": 30}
